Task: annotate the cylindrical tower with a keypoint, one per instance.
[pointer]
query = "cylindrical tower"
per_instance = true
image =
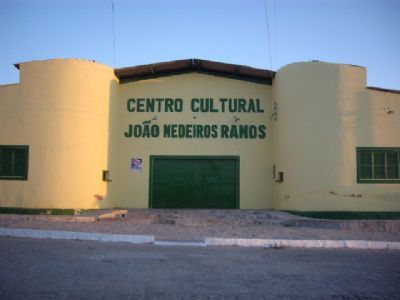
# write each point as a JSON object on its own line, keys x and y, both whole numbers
{"x": 63, "y": 116}
{"x": 315, "y": 135}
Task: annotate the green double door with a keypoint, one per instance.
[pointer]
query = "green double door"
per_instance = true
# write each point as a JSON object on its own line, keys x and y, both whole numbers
{"x": 194, "y": 182}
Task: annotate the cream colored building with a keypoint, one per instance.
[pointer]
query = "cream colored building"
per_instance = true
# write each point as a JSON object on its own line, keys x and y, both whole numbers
{"x": 198, "y": 134}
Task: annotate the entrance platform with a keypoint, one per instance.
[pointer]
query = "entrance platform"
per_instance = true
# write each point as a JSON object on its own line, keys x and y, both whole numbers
{"x": 198, "y": 225}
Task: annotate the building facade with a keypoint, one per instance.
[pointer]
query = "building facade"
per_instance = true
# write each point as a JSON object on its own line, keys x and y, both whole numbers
{"x": 198, "y": 134}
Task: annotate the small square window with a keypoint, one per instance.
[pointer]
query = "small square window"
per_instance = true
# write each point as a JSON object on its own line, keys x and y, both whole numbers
{"x": 14, "y": 162}
{"x": 378, "y": 165}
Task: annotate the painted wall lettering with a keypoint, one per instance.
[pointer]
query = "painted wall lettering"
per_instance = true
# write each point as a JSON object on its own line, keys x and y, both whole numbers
{"x": 195, "y": 131}
{"x": 203, "y": 105}
{"x": 154, "y": 105}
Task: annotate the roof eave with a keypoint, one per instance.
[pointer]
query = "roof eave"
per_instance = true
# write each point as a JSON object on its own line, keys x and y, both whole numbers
{"x": 194, "y": 65}
{"x": 383, "y": 89}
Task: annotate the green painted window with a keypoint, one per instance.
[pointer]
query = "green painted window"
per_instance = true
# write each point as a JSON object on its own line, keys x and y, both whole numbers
{"x": 14, "y": 162}
{"x": 378, "y": 165}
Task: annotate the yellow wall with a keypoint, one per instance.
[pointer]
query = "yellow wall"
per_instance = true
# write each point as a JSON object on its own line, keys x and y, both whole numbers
{"x": 324, "y": 113}
{"x": 132, "y": 189}
{"x": 60, "y": 109}
{"x": 73, "y": 115}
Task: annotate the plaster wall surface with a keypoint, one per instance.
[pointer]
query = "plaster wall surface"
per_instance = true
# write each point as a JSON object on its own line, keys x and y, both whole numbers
{"x": 325, "y": 111}
{"x": 132, "y": 189}
{"x": 73, "y": 114}
{"x": 60, "y": 109}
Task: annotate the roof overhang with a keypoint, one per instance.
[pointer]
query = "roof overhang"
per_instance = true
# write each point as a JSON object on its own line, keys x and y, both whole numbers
{"x": 383, "y": 90}
{"x": 194, "y": 65}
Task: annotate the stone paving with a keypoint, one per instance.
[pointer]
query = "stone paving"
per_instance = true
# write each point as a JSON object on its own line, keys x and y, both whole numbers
{"x": 193, "y": 225}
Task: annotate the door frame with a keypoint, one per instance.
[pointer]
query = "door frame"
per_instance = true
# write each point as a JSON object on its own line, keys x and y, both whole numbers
{"x": 205, "y": 157}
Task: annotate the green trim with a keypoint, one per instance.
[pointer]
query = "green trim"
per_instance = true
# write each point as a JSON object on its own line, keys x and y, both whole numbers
{"x": 26, "y": 157}
{"x": 360, "y": 150}
{"x": 36, "y": 211}
{"x": 349, "y": 215}
{"x": 383, "y": 181}
{"x": 154, "y": 157}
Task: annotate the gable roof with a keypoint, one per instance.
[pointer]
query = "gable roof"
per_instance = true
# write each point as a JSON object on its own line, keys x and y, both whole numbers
{"x": 194, "y": 65}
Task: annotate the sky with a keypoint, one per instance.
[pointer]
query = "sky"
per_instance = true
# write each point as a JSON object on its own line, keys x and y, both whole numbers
{"x": 267, "y": 34}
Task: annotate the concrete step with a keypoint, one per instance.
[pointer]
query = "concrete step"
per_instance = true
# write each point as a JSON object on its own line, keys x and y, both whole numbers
{"x": 204, "y": 217}
{"x": 201, "y": 217}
